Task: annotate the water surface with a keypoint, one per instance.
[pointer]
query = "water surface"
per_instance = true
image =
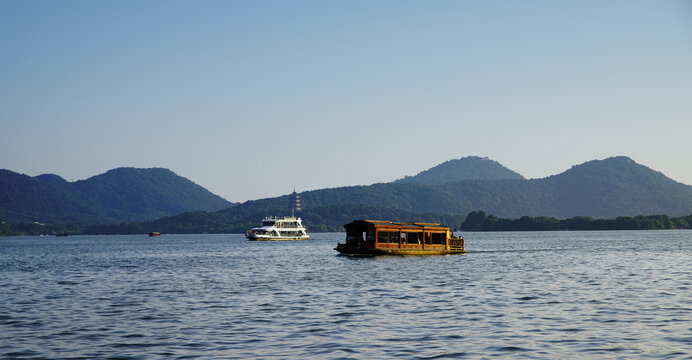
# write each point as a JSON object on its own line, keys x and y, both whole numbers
{"x": 541, "y": 295}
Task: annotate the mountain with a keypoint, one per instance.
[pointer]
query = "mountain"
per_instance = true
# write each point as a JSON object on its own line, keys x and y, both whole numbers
{"x": 607, "y": 188}
{"x": 467, "y": 168}
{"x": 123, "y": 194}
{"x": 51, "y": 178}
{"x": 617, "y": 186}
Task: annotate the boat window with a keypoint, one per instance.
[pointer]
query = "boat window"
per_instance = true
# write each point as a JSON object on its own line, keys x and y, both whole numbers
{"x": 387, "y": 237}
{"x": 413, "y": 238}
{"x": 438, "y": 238}
{"x": 428, "y": 239}
{"x": 355, "y": 235}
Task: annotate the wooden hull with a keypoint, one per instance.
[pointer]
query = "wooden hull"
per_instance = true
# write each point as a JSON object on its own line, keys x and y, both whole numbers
{"x": 346, "y": 250}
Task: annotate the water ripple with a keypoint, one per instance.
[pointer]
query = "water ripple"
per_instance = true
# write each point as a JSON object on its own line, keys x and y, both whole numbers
{"x": 513, "y": 295}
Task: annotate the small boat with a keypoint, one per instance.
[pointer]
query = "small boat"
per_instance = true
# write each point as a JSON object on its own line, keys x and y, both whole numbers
{"x": 375, "y": 237}
{"x": 154, "y": 233}
{"x": 279, "y": 228}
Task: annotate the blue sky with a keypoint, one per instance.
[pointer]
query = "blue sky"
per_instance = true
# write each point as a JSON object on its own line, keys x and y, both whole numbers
{"x": 252, "y": 98}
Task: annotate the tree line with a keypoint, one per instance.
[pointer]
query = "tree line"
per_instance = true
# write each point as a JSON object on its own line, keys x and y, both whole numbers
{"x": 479, "y": 221}
{"x": 333, "y": 219}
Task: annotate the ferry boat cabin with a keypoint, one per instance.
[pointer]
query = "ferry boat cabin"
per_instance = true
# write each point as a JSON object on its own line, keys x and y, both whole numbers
{"x": 375, "y": 237}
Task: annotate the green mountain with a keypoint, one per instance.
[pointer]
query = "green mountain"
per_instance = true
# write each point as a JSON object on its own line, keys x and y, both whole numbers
{"x": 124, "y": 194}
{"x": 601, "y": 188}
{"x": 51, "y": 178}
{"x": 159, "y": 200}
{"x": 467, "y": 168}
{"x": 617, "y": 186}
{"x": 612, "y": 187}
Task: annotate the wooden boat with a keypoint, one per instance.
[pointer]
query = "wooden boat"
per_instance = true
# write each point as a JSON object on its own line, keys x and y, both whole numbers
{"x": 375, "y": 237}
{"x": 154, "y": 233}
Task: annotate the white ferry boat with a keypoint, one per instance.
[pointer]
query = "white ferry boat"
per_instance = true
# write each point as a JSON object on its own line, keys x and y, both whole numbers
{"x": 279, "y": 228}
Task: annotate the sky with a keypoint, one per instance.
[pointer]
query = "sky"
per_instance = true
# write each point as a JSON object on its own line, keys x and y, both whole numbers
{"x": 250, "y": 99}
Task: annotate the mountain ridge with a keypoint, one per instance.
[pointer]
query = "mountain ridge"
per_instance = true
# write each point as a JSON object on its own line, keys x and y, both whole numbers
{"x": 616, "y": 186}
{"x": 607, "y": 188}
{"x": 121, "y": 194}
{"x": 450, "y": 203}
{"x": 465, "y": 168}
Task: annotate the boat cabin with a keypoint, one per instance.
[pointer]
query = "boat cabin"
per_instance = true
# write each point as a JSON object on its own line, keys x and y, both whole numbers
{"x": 387, "y": 237}
{"x": 281, "y": 222}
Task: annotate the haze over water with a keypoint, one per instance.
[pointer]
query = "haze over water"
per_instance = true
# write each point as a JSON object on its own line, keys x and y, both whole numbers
{"x": 541, "y": 295}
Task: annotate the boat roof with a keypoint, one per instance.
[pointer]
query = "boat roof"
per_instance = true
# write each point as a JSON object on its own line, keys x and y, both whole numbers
{"x": 279, "y": 218}
{"x": 394, "y": 224}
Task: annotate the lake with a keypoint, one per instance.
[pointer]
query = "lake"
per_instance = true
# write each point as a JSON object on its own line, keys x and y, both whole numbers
{"x": 534, "y": 295}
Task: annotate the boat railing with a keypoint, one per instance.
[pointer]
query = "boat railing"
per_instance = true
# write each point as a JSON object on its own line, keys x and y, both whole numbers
{"x": 456, "y": 243}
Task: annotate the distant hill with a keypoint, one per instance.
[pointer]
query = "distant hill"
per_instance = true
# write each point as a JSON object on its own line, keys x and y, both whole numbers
{"x": 124, "y": 194}
{"x": 51, "y": 178}
{"x": 467, "y": 168}
{"x": 617, "y": 186}
{"x": 607, "y": 188}
{"x": 159, "y": 200}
